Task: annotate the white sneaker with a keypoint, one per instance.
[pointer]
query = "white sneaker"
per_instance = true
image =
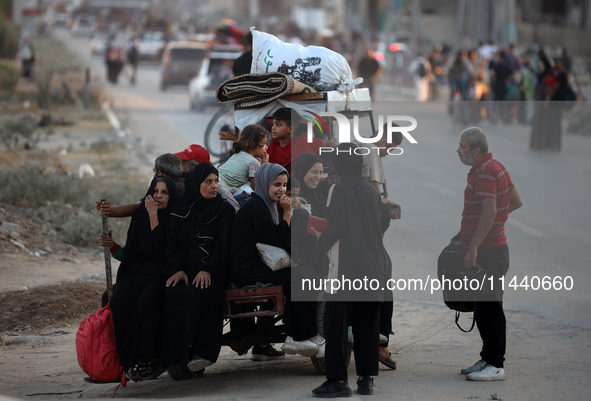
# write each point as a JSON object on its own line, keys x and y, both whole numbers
{"x": 198, "y": 364}
{"x": 321, "y": 343}
{"x": 351, "y": 340}
{"x": 477, "y": 367}
{"x": 303, "y": 348}
{"x": 489, "y": 373}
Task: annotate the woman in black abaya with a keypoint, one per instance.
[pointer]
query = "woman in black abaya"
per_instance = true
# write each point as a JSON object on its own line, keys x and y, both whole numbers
{"x": 138, "y": 296}
{"x": 309, "y": 171}
{"x": 198, "y": 260}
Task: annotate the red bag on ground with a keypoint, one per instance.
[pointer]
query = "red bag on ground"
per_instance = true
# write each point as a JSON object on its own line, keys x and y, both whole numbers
{"x": 95, "y": 347}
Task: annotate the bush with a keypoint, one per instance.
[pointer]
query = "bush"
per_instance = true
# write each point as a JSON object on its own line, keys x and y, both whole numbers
{"x": 9, "y": 76}
{"x": 18, "y": 130}
{"x": 82, "y": 229}
{"x": 30, "y": 186}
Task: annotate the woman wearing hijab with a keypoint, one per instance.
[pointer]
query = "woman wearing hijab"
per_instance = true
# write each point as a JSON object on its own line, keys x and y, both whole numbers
{"x": 309, "y": 171}
{"x": 266, "y": 218}
{"x": 138, "y": 296}
{"x": 198, "y": 261}
{"x": 357, "y": 220}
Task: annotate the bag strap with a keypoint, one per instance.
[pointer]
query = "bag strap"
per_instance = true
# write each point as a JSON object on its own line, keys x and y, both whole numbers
{"x": 329, "y": 196}
{"x": 460, "y": 327}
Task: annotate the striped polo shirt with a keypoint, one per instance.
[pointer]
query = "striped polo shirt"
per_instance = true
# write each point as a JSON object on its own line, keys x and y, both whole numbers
{"x": 487, "y": 179}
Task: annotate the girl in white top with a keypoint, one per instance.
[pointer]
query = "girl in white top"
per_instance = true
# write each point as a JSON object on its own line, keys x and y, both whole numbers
{"x": 248, "y": 153}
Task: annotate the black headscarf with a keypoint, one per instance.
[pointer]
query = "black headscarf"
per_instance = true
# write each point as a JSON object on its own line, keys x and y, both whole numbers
{"x": 201, "y": 210}
{"x": 348, "y": 166}
{"x": 140, "y": 227}
{"x": 317, "y": 196}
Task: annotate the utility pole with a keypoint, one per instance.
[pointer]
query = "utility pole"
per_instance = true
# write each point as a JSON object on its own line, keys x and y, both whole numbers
{"x": 416, "y": 25}
{"x": 17, "y": 7}
{"x": 460, "y": 13}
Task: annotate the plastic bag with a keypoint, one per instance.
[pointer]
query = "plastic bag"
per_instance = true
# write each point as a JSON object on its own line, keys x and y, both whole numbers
{"x": 319, "y": 67}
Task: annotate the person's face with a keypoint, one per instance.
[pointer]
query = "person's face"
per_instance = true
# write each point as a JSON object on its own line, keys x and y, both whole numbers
{"x": 161, "y": 195}
{"x": 314, "y": 176}
{"x": 156, "y": 172}
{"x": 280, "y": 129}
{"x": 260, "y": 150}
{"x": 185, "y": 165}
{"x": 293, "y": 193}
{"x": 278, "y": 187}
{"x": 209, "y": 187}
{"x": 465, "y": 153}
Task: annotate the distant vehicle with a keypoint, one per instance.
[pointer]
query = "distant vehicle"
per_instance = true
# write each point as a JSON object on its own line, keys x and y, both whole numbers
{"x": 98, "y": 43}
{"x": 215, "y": 69}
{"x": 83, "y": 25}
{"x": 150, "y": 45}
{"x": 180, "y": 62}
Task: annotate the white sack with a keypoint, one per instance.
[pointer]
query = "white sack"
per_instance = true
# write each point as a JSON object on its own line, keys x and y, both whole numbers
{"x": 319, "y": 67}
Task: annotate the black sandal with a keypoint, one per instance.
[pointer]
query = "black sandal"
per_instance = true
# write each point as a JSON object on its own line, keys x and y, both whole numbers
{"x": 135, "y": 371}
{"x": 157, "y": 370}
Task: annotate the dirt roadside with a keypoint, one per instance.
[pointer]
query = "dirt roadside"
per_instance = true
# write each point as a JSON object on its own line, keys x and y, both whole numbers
{"x": 545, "y": 360}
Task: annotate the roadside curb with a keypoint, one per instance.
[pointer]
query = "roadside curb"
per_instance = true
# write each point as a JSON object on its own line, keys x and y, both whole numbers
{"x": 113, "y": 119}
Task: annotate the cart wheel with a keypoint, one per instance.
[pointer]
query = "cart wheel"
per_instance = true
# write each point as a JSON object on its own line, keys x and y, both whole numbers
{"x": 224, "y": 118}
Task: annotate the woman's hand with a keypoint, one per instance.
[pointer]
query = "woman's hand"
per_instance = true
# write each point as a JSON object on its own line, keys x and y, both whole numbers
{"x": 203, "y": 279}
{"x": 177, "y": 278}
{"x": 285, "y": 203}
{"x": 316, "y": 232}
{"x": 151, "y": 204}
{"x": 106, "y": 240}
{"x": 104, "y": 206}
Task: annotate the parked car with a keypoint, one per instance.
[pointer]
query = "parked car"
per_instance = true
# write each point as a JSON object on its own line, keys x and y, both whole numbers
{"x": 83, "y": 25}
{"x": 98, "y": 43}
{"x": 215, "y": 69}
{"x": 150, "y": 45}
{"x": 180, "y": 62}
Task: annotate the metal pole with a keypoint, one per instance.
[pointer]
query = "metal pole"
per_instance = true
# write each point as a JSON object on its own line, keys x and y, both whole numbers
{"x": 416, "y": 25}
{"x": 87, "y": 88}
{"x": 460, "y": 22}
{"x": 107, "y": 252}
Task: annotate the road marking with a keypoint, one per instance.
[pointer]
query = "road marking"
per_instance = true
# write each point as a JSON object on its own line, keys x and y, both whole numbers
{"x": 526, "y": 228}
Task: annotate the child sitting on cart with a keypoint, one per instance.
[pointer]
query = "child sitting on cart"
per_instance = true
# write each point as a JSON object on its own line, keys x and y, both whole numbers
{"x": 287, "y": 142}
{"x": 237, "y": 173}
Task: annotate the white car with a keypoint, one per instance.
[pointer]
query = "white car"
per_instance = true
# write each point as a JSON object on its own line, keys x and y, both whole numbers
{"x": 98, "y": 43}
{"x": 215, "y": 69}
{"x": 84, "y": 25}
{"x": 150, "y": 45}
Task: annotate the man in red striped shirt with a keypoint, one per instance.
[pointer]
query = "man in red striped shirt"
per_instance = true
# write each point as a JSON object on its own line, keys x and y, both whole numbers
{"x": 489, "y": 197}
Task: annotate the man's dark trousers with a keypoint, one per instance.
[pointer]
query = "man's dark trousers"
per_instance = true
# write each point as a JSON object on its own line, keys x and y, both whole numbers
{"x": 489, "y": 314}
